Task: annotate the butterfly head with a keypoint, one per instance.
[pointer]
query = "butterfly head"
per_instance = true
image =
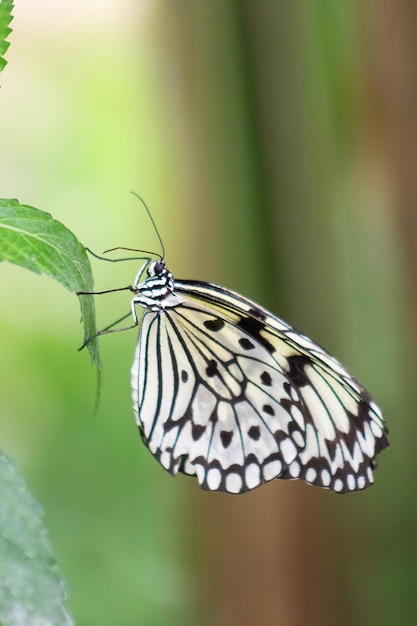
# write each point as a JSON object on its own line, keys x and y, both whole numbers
{"x": 157, "y": 291}
{"x": 157, "y": 268}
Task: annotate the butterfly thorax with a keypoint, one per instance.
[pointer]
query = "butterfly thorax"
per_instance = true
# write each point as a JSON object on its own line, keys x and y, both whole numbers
{"x": 158, "y": 290}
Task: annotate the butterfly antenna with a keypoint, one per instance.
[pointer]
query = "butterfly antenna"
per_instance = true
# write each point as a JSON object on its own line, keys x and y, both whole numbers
{"x": 152, "y": 220}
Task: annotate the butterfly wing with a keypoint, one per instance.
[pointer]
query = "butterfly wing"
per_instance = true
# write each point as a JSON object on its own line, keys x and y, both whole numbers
{"x": 227, "y": 391}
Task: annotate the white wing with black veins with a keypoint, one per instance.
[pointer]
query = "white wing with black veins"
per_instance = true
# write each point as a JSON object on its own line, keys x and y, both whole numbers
{"x": 230, "y": 393}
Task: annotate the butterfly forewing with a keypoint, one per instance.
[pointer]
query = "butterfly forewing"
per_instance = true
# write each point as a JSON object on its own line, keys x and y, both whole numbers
{"x": 227, "y": 391}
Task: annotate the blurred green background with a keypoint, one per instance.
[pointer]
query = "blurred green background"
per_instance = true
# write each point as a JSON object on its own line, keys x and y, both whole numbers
{"x": 276, "y": 145}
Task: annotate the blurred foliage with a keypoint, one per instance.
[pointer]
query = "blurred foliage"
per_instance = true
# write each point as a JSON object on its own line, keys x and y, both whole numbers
{"x": 31, "y": 587}
{"x": 274, "y": 143}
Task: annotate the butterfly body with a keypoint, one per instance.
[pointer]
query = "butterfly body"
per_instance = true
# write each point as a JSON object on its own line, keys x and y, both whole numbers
{"x": 226, "y": 391}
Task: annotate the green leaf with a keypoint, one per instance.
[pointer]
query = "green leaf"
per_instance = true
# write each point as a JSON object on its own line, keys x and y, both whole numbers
{"x": 32, "y": 239}
{"x": 6, "y": 17}
{"x": 32, "y": 590}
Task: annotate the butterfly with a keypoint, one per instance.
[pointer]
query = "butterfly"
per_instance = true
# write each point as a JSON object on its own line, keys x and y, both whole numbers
{"x": 226, "y": 391}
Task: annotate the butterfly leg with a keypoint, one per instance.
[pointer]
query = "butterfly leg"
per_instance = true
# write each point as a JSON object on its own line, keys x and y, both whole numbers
{"x": 110, "y": 329}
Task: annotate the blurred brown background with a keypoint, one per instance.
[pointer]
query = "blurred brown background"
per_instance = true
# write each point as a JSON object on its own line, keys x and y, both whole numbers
{"x": 275, "y": 143}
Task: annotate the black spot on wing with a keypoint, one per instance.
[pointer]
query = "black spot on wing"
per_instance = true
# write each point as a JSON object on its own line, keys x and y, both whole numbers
{"x": 246, "y": 344}
{"x": 184, "y": 376}
{"x": 254, "y": 433}
{"x": 211, "y": 369}
{"x": 266, "y": 379}
{"x": 296, "y": 369}
{"x": 267, "y": 408}
{"x": 254, "y": 327}
{"x": 226, "y": 437}
{"x": 197, "y": 431}
{"x": 215, "y": 324}
{"x": 280, "y": 436}
{"x": 214, "y": 418}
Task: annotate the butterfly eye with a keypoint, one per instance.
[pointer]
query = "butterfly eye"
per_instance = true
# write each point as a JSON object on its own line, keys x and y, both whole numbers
{"x": 158, "y": 268}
